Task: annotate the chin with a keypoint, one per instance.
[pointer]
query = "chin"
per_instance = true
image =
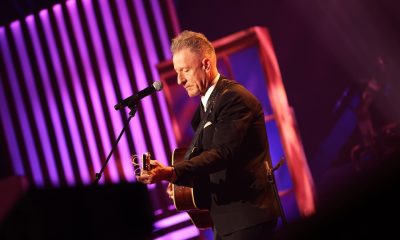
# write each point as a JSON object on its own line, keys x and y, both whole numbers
{"x": 193, "y": 94}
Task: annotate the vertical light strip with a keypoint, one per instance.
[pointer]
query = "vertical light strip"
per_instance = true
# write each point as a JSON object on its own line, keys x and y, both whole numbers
{"x": 35, "y": 105}
{"x": 95, "y": 158}
{"x": 122, "y": 75}
{"x": 147, "y": 103}
{"x": 162, "y": 33}
{"x": 154, "y": 61}
{"x": 9, "y": 129}
{"x": 22, "y": 116}
{"x": 94, "y": 93}
{"x": 109, "y": 89}
{"x": 54, "y": 112}
{"x": 138, "y": 71}
{"x": 173, "y": 18}
{"x": 67, "y": 104}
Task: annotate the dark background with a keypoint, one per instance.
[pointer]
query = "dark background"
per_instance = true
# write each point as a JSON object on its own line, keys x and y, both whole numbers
{"x": 323, "y": 48}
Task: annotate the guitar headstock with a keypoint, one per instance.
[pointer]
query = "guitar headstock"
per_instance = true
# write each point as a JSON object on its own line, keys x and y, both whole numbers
{"x": 141, "y": 164}
{"x": 146, "y": 161}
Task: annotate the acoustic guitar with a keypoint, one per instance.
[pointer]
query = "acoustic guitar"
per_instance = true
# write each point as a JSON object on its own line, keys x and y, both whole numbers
{"x": 186, "y": 199}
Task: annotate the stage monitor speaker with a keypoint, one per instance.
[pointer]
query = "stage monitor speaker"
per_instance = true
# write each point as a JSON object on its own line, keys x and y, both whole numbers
{"x": 94, "y": 212}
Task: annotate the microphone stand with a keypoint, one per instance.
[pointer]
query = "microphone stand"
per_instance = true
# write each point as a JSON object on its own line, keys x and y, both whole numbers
{"x": 271, "y": 179}
{"x": 132, "y": 113}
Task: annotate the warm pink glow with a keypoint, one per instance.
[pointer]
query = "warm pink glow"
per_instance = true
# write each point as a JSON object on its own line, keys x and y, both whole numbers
{"x": 297, "y": 162}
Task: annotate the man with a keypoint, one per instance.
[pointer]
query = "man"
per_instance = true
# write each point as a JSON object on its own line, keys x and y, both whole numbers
{"x": 230, "y": 148}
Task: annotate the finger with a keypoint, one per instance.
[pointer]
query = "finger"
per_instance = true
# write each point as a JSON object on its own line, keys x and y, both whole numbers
{"x": 169, "y": 194}
{"x": 139, "y": 179}
{"x": 170, "y": 191}
{"x": 145, "y": 173}
{"x": 143, "y": 178}
{"x": 156, "y": 163}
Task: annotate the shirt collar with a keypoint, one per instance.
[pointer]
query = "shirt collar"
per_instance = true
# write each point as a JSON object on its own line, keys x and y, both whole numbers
{"x": 204, "y": 99}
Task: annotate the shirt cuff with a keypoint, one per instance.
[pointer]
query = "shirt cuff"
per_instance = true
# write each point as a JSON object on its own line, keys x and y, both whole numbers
{"x": 173, "y": 176}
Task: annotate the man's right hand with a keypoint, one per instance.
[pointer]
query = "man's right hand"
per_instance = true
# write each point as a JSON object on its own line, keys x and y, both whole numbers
{"x": 170, "y": 192}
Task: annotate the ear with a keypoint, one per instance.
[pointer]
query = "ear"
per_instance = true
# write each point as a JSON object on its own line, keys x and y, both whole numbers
{"x": 206, "y": 64}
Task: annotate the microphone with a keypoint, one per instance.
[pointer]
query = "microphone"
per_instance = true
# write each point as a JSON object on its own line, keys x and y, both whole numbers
{"x": 135, "y": 98}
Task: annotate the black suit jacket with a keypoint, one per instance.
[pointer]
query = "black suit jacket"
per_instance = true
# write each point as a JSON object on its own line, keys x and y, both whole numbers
{"x": 233, "y": 150}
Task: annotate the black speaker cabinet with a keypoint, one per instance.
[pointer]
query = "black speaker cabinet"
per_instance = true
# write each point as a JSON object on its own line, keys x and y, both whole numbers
{"x": 92, "y": 212}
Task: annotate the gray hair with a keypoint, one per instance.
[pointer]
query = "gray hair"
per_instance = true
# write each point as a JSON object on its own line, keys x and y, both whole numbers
{"x": 195, "y": 41}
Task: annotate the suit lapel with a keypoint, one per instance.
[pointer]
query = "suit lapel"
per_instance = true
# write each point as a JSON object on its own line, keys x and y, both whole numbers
{"x": 195, "y": 146}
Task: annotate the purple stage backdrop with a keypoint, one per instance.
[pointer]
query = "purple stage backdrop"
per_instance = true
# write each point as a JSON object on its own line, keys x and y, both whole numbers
{"x": 62, "y": 70}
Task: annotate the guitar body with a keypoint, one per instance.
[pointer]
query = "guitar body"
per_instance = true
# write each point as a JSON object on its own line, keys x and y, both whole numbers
{"x": 189, "y": 200}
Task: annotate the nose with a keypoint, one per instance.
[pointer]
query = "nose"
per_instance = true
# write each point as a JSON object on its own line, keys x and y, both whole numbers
{"x": 181, "y": 80}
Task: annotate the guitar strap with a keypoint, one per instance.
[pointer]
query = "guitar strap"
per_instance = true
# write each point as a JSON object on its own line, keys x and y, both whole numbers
{"x": 193, "y": 149}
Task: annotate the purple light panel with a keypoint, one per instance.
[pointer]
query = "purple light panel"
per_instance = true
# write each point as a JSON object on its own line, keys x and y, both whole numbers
{"x": 9, "y": 128}
{"x": 77, "y": 90}
{"x": 36, "y": 173}
{"x": 150, "y": 51}
{"x": 55, "y": 115}
{"x": 159, "y": 152}
{"x": 161, "y": 29}
{"x": 66, "y": 97}
{"x": 94, "y": 91}
{"x": 35, "y": 103}
{"x": 123, "y": 81}
{"x": 67, "y": 67}
{"x": 108, "y": 87}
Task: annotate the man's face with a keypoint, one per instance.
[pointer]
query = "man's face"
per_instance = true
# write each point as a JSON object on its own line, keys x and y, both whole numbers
{"x": 191, "y": 73}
